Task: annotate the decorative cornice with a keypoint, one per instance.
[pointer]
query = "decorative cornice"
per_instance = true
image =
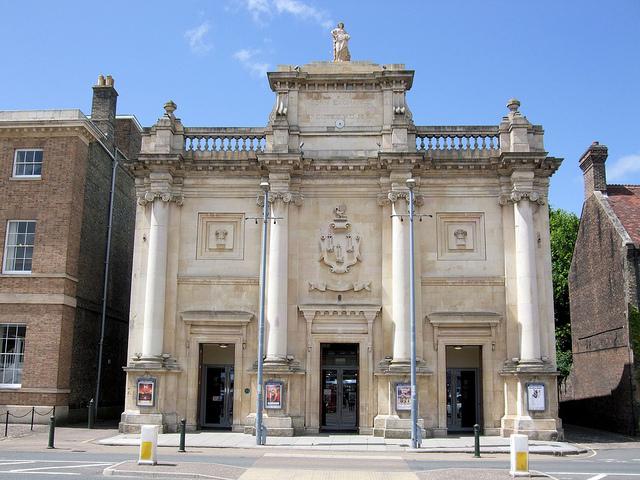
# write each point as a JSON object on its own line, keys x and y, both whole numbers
{"x": 222, "y": 317}
{"x": 368, "y": 311}
{"x": 81, "y": 128}
{"x": 281, "y": 161}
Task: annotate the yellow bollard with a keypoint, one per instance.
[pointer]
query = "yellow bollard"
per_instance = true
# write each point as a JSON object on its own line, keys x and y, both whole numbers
{"x": 519, "y": 455}
{"x": 148, "y": 445}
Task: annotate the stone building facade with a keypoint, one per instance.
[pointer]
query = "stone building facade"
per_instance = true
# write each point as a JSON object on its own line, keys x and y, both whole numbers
{"x": 337, "y": 150}
{"x": 603, "y": 291}
{"x": 55, "y": 183}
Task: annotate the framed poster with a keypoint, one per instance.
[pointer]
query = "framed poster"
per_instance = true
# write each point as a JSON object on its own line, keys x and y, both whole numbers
{"x": 146, "y": 392}
{"x": 273, "y": 395}
{"x": 403, "y": 396}
{"x": 535, "y": 397}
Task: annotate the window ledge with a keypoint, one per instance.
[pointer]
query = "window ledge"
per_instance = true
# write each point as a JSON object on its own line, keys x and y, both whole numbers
{"x": 10, "y": 386}
{"x": 26, "y": 177}
{"x": 17, "y": 273}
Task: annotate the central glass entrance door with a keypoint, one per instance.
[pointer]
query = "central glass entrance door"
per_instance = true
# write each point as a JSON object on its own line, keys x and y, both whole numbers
{"x": 462, "y": 399}
{"x": 339, "y": 399}
{"x": 217, "y": 396}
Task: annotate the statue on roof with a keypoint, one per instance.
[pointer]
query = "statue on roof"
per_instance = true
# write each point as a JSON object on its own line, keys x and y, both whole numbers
{"x": 340, "y": 44}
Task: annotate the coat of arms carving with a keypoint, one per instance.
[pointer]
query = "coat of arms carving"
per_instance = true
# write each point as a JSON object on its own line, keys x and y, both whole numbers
{"x": 339, "y": 246}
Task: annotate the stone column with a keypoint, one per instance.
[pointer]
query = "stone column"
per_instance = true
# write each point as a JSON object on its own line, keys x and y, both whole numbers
{"x": 277, "y": 279}
{"x": 526, "y": 275}
{"x": 154, "y": 303}
{"x": 400, "y": 277}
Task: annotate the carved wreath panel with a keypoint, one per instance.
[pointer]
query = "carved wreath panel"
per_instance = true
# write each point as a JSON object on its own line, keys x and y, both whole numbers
{"x": 460, "y": 236}
{"x": 220, "y": 236}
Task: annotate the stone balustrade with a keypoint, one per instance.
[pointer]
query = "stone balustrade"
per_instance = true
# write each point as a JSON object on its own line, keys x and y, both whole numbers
{"x": 249, "y": 140}
{"x": 475, "y": 141}
{"x": 437, "y": 141}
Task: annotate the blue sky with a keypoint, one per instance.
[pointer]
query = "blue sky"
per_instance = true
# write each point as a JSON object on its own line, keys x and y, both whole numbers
{"x": 574, "y": 65}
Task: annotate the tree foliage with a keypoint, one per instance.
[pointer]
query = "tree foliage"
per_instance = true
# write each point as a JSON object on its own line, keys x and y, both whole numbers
{"x": 564, "y": 232}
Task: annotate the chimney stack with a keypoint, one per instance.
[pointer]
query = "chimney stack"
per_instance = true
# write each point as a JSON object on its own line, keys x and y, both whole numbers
{"x": 103, "y": 107}
{"x": 593, "y": 170}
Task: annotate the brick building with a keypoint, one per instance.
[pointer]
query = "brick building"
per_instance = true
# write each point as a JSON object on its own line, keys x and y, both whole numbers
{"x": 602, "y": 389}
{"x": 55, "y": 181}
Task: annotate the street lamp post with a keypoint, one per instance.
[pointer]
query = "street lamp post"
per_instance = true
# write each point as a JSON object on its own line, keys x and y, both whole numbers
{"x": 261, "y": 436}
{"x": 416, "y": 439}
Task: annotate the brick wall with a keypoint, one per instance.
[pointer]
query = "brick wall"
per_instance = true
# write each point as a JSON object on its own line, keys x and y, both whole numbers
{"x": 128, "y": 137}
{"x": 600, "y": 392}
{"x": 90, "y": 283}
{"x": 53, "y": 201}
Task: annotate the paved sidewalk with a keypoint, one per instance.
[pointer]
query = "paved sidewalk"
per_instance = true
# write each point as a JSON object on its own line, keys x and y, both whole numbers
{"x": 347, "y": 443}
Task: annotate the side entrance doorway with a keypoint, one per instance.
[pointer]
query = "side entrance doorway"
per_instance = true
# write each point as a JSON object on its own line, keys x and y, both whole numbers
{"x": 463, "y": 388}
{"x": 216, "y": 385}
{"x": 339, "y": 388}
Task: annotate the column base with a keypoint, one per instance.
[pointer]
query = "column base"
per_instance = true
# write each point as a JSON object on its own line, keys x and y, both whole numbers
{"x": 392, "y": 426}
{"x": 534, "y": 428}
{"x": 131, "y": 422}
{"x": 151, "y": 362}
{"x": 277, "y": 426}
{"x": 539, "y": 421}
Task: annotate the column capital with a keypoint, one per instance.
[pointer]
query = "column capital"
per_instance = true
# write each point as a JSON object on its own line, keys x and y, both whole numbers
{"x": 285, "y": 197}
{"x": 149, "y": 196}
{"x": 394, "y": 195}
{"x": 516, "y": 196}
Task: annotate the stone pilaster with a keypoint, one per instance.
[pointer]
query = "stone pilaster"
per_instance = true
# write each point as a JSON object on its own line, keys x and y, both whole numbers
{"x": 524, "y": 200}
{"x": 154, "y": 303}
{"x": 400, "y": 277}
{"x": 277, "y": 279}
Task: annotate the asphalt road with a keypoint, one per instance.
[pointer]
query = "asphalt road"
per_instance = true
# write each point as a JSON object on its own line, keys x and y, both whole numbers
{"x": 615, "y": 463}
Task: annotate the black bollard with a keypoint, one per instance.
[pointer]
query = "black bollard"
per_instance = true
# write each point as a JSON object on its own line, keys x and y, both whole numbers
{"x": 90, "y": 415}
{"x": 476, "y": 438}
{"x": 183, "y": 433}
{"x": 33, "y": 412}
{"x": 52, "y": 431}
{"x": 6, "y": 424}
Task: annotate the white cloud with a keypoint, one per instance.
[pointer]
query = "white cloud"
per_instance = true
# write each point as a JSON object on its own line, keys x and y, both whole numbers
{"x": 304, "y": 11}
{"x": 247, "y": 58}
{"x": 259, "y": 9}
{"x": 196, "y": 38}
{"x": 262, "y": 10}
{"x": 624, "y": 167}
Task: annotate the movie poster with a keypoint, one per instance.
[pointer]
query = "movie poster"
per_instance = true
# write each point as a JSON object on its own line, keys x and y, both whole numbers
{"x": 146, "y": 392}
{"x": 403, "y": 396}
{"x": 535, "y": 397}
{"x": 273, "y": 395}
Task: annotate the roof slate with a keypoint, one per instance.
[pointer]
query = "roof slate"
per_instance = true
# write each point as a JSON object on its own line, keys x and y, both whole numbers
{"x": 625, "y": 202}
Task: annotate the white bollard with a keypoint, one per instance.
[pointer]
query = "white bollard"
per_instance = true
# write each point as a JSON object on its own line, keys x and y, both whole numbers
{"x": 519, "y": 455}
{"x": 148, "y": 445}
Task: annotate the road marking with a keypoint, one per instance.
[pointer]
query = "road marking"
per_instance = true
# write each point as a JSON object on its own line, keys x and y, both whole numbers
{"x": 43, "y": 460}
{"x": 596, "y": 474}
{"x": 598, "y": 477}
{"x": 16, "y": 462}
{"x": 348, "y": 457}
{"x": 39, "y": 473}
{"x": 20, "y": 470}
